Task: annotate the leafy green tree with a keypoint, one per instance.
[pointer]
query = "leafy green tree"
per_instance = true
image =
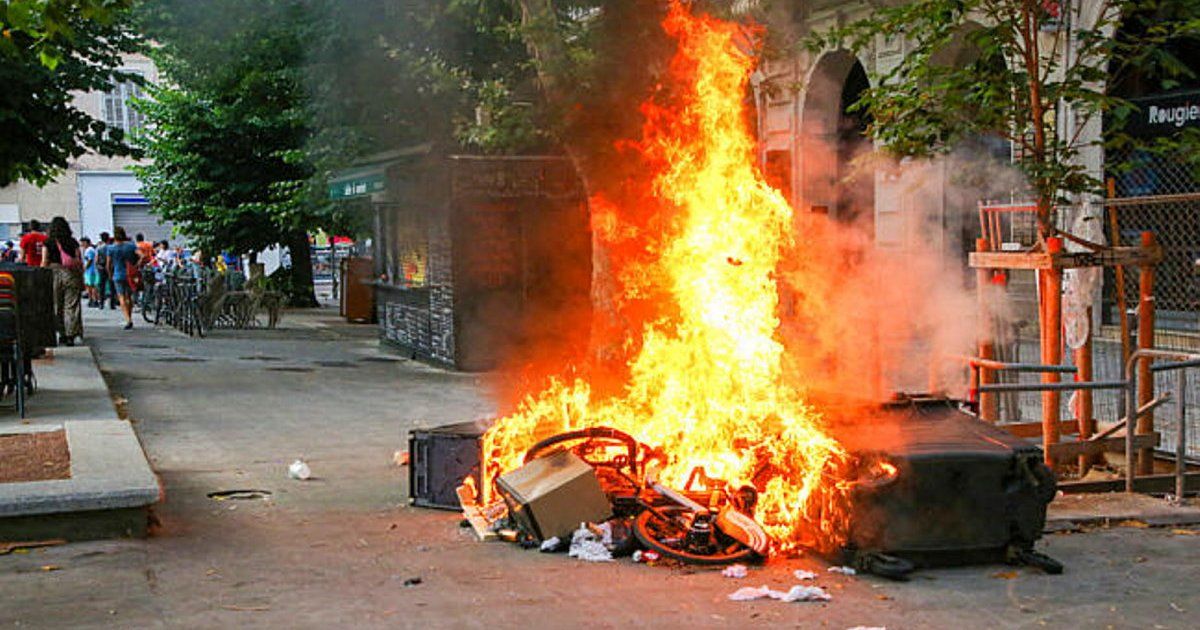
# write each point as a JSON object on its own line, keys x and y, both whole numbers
{"x": 228, "y": 127}
{"x": 1025, "y": 80}
{"x": 49, "y": 50}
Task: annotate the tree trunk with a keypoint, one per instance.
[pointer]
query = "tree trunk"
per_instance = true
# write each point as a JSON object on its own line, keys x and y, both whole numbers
{"x": 302, "y": 294}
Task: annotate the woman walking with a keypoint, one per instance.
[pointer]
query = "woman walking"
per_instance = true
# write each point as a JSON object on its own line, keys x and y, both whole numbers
{"x": 123, "y": 259}
{"x": 62, "y": 255}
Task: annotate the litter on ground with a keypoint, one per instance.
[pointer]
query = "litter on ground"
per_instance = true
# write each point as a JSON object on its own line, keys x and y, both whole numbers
{"x": 797, "y": 593}
{"x": 735, "y": 571}
{"x": 843, "y": 570}
{"x": 299, "y": 470}
{"x": 587, "y": 545}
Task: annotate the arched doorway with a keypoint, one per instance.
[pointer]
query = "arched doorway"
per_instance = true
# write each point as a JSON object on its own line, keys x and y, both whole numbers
{"x": 835, "y": 179}
{"x": 856, "y": 177}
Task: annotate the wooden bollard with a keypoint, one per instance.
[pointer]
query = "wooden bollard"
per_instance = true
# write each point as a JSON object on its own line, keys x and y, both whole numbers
{"x": 1085, "y": 418}
{"x": 1051, "y": 325}
{"x": 1145, "y": 424}
{"x": 989, "y": 408}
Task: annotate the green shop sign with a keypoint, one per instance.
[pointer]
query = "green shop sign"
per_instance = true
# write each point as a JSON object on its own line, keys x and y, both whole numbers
{"x": 358, "y": 186}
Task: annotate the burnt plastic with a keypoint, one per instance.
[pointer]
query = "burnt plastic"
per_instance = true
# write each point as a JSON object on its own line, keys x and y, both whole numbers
{"x": 966, "y": 491}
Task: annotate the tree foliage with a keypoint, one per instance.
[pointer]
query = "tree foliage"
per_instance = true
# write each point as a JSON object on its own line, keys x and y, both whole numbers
{"x": 228, "y": 127}
{"x": 1023, "y": 76}
{"x": 49, "y": 50}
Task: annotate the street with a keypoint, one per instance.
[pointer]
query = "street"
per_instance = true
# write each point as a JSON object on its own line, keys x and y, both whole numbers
{"x": 231, "y": 412}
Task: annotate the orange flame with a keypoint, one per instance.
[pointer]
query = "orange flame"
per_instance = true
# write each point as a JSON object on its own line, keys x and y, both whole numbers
{"x": 706, "y": 379}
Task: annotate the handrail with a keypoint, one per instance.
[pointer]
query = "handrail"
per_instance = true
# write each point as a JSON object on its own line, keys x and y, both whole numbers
{"x": 1183, "y": 360}
{"x": 1002, "y": 366}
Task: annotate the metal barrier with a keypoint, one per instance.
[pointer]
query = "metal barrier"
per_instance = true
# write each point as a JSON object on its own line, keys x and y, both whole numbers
{"x": 1183, "y": 361}
{"x": 1128, "y": 386}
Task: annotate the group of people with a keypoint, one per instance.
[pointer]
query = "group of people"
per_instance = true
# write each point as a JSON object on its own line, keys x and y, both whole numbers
{"x": 110, "y": 269}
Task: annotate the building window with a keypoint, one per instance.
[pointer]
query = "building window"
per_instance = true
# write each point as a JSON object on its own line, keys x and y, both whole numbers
{"x": 119, "y": 112}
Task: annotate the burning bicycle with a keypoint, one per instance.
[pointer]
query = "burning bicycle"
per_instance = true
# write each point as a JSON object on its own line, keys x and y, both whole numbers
{"x": 708, "y": 521}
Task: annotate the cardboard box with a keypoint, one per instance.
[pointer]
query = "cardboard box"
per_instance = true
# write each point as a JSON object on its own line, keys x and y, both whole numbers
{"x": 550, "y": 496}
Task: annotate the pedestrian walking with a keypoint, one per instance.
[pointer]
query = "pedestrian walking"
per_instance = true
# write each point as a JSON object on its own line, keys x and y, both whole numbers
{"x": 91, "y": 276}
{"x": 61, "y": 253}
{"x": 124, "y": 262}
{"x": 105, "y": 289}
{"x": 31, "y": 244}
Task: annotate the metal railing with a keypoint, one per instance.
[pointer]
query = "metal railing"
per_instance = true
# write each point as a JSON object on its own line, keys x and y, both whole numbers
{"x": 1183, "y": 361}
{"x": 1128, "y": 386}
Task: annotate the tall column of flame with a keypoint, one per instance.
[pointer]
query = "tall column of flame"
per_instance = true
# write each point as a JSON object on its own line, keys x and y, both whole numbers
{"x": 706, "y": 383}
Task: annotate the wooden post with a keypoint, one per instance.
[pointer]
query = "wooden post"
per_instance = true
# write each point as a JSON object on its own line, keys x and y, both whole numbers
{"x": 1083, "y": 364}
{"x": 1051, "y": 325}
{"x": 1145, "y": 424}
{"x": 1119, "y": 270}
{"x": 988, "y": 408}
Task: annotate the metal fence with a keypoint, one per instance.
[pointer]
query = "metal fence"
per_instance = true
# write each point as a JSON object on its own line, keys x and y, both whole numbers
{"x": 1106, "y": 403}
{"x": 1159, "y": 194}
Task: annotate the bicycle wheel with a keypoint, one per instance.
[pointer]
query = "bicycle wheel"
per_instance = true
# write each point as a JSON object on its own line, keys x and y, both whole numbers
{"x": 669, "y": 531}
{"x": 148, "y": 299}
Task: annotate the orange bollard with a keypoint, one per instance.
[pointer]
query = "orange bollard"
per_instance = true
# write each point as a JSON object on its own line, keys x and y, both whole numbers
{"x": 1145, "y": 424}
{"x": 1051, "y": 325}
{"x": 1085, "y": 418}
{"x": 989, "y": 408}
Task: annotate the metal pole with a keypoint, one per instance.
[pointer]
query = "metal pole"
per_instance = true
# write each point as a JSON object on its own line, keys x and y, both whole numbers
{"x": 1130, "y": 413}
{"x": 1181, "y": 446}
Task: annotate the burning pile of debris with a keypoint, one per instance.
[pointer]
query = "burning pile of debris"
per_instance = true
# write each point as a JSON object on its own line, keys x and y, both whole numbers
{"x": 596, "y": 492}
{"x": 710, "y": 449}
{"x": 948, "y": 489}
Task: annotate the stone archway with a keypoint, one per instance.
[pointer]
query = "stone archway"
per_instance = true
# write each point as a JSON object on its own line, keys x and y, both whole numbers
{"x": 831, "y": 181}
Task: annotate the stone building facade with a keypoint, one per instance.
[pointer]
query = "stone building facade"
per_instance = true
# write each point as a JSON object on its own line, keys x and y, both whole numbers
{"x": 95, "y": 192}
{"x": 810, "y": 140}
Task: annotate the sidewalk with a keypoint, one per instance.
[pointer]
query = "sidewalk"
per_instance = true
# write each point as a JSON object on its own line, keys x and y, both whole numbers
{"x": 111, "y": 484}
{"x": 70, "y": 387}
{"x": 231, "y": 411}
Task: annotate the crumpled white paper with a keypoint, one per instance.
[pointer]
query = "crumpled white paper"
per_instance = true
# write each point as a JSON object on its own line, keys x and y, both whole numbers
{"x": 735, "y": 571}
{"x": 299, "y": 470}
{"x": 800, "y": 593}
{"x": 550, "y": 544}
{"x": 747, "y": 593}
{"x": 843, "y": 570}
{"x": 801, "y": 574}
{"x": 797, "y": 593}
{"x": 586, "y": 545}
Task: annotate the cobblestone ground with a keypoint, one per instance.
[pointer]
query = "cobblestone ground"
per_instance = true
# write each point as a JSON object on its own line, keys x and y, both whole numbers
{"x": 231, "y": 411}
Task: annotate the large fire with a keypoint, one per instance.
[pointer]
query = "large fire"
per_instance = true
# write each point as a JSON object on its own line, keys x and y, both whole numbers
{"x": 706, "y": 382}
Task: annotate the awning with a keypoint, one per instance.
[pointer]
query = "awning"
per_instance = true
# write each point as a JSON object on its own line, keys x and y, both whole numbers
{"x": 369, "y": 175}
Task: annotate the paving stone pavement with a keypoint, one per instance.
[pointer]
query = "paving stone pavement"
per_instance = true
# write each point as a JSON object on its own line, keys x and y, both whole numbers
{"x": 218, "y": 414}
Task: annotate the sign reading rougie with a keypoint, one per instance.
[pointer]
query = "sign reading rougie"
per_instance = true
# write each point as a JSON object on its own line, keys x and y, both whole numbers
{"x": 1165, "y": 114}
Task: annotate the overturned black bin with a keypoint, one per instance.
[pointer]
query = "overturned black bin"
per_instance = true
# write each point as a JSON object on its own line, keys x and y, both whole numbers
{"x": 440, "y": 459}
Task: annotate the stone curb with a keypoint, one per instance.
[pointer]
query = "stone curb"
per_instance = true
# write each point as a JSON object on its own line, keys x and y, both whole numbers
{"x": 109, "y": 469}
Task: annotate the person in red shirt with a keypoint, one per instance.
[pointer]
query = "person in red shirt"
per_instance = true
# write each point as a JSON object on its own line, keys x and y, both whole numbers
{"x": 31, "y": 244}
